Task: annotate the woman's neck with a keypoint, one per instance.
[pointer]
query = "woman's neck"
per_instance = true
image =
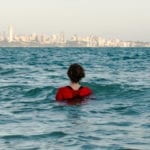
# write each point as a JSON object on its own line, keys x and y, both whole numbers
{"x": 75, "y": 86}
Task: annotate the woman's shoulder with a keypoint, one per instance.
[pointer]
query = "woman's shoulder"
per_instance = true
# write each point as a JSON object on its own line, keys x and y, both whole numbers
{"x": 62, "y": 92}
{"x": 86, "y": 90}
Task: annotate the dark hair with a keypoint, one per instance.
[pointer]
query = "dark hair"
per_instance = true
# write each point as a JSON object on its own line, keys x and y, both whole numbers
{"x": 75, "y": 72}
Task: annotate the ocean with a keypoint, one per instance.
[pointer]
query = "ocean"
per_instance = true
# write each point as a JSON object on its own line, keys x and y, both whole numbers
{"x": 115, "y": 117}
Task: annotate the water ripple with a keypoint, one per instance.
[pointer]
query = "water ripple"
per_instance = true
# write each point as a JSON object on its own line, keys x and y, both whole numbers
{"x": 115, "y": 117}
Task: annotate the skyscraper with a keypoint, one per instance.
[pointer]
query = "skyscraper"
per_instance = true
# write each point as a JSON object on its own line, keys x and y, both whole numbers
{"x": 10, "y": 33}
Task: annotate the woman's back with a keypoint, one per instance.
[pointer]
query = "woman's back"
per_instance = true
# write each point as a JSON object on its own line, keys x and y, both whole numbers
{"x": 67, "y": 92}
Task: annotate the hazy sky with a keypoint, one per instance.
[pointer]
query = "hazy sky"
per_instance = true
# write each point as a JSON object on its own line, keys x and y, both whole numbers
{"x": 124, "y": 19}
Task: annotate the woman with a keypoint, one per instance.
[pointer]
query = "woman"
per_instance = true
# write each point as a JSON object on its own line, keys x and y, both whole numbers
{"x": 74, "y": 90}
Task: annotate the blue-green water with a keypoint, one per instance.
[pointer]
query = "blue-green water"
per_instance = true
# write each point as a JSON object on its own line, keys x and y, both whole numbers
{"x": 116, "y": 117}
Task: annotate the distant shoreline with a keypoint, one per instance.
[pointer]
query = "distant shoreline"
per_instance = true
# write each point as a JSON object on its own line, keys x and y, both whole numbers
{"x": 69, "y": 47}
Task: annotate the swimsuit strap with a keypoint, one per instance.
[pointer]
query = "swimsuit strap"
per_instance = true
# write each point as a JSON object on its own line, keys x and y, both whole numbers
{"x": 73, "y": 89}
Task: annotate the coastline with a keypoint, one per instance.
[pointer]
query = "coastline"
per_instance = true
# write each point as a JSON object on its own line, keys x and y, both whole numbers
{"x": 44, "y": 46}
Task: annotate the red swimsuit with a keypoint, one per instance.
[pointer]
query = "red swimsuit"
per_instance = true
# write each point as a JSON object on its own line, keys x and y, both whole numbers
{"x": 67, "y": 93}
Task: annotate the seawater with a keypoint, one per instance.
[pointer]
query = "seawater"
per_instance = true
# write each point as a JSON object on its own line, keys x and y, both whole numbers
{"x": 115, "y": 117}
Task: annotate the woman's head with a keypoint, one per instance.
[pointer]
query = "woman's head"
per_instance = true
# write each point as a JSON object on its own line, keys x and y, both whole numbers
{"x": 75, "y": 73}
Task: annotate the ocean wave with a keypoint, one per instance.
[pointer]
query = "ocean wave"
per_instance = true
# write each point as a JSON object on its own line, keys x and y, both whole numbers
{"x": 7, "y": 71}
{"x": 54, "y": 134}
{"x": 117, "y": 113}
{"x": 34, "y": 92}
{"x": 117, "y": 89}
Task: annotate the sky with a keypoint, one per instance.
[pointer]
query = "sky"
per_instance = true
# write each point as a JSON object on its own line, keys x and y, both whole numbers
{"x": 123, "y": 19}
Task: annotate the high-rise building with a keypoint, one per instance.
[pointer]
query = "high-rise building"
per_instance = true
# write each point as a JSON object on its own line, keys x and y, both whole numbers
{"x": 10, "y": 33}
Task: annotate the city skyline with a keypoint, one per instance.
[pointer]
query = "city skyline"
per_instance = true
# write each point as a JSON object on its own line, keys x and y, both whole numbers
{"x": 126, "y": 20}
{"x": 10, "y": 38}
{"x": 11, "y": 31}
